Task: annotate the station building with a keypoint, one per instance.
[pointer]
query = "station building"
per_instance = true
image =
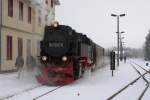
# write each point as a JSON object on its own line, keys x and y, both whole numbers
{"x": 21, "y": 29}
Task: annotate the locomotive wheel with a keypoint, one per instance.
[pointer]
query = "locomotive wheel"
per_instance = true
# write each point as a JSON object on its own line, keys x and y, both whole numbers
{"x": 77, "y": 70}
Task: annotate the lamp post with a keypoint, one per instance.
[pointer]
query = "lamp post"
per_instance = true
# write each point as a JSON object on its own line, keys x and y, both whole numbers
{"x": 118, "y": 16}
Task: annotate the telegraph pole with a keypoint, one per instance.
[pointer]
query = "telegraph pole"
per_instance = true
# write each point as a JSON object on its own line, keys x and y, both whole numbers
{"x": 118, "y": 41}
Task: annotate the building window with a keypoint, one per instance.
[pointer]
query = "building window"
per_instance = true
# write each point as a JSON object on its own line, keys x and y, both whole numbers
{"x": 9, "y": 47}
{"x": 29, "y": 14}
{"x": 28, "y": 47}
{"x": 52, "y": 3}
{"x": 46, "y": 18}
{"x": 20, "y": 10}
{"x": 39, "y": 17}
{"x": 46, "y": 1}
{"x": 20, "y": 46}
{"x": 38, "y": 48}
{"x": 10, "y": 8}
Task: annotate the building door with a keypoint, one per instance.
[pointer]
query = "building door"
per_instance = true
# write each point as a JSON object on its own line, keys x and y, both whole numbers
{"x": 28, "y": 47}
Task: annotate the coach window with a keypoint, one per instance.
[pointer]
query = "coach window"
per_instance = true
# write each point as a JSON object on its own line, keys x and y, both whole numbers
{"x": 9, "y": 47}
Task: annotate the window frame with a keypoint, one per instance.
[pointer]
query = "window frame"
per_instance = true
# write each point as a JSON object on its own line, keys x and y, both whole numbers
{"x": 10, "y": 8}
{"x": 9, "y": 47}
{"x": 46, "y": 2}
{"x": 39, "y": 18}
{"x": 29, "y": 14}
{"x": 52, "y": 3}
{"x": 28, "y": 47}
{"x": 21, "y": 10}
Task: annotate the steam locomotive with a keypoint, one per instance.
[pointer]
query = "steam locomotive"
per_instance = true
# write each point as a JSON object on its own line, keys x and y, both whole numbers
{"x": 66, "y": 54}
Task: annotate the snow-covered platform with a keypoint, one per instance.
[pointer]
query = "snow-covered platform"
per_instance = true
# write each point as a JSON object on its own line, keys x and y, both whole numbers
{"x": 98, "y": 85}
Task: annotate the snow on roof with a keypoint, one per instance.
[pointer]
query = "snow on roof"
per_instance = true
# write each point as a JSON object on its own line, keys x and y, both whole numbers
{"x": 57, "y": 2}
{"x": 38, "y": 2}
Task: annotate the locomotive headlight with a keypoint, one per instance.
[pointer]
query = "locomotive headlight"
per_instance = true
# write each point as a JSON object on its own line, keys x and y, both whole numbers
{"x": 64, "y": 58}
{"x": 55, "y": 24}
{"x": 44, "y": 58}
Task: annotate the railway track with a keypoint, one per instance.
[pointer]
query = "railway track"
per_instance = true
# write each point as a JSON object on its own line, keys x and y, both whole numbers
{"x": 134, "y": 66}
{"x": 30, "y": 90}
{"x": 46, "y": 93}
{"x": 26, "y": 90}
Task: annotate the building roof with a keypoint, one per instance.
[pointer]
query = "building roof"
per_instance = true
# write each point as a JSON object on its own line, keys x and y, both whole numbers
{"x": 57, "y": 2}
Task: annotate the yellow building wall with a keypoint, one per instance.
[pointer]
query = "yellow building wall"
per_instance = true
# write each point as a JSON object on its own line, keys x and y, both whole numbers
{"x": 38, "y": 29}
{"x": 20, "y": 29}
{"x": 10, "y": 64}
{"x": 14, "y": 21}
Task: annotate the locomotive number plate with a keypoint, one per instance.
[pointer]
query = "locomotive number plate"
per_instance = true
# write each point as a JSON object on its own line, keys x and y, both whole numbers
{"x": 56, "y": 45}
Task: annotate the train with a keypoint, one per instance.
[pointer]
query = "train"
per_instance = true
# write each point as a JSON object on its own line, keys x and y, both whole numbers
{"x": 66, "y": 55}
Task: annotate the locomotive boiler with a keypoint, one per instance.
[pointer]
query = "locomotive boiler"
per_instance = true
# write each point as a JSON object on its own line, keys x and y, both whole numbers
{"x": 66, "y": 54}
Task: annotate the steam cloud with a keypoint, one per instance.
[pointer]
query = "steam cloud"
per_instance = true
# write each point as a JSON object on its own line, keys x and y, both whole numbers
{"x": 42, "y": 7}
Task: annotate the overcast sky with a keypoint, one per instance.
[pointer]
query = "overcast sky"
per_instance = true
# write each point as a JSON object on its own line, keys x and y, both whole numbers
{"x": 93, "y": 17}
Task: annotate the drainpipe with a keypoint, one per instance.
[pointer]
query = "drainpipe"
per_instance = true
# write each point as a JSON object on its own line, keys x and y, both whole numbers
{"x": 0, "y": 33}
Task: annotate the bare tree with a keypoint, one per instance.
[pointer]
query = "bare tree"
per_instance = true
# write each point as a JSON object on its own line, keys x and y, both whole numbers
{"x": 147, "y": 47}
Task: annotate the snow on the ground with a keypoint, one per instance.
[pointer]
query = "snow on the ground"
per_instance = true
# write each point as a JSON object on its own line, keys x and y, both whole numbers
{"x": 10, "y": 84}
{"x": 96, "y": 86}
{"x": 133, "y": 92}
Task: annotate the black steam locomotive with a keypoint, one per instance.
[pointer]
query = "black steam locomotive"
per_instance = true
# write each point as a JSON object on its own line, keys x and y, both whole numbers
{"x": 66, "y": 54}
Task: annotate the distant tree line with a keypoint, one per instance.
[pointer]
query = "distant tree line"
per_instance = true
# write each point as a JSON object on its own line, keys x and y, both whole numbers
{"x": 147, "y": 47}
{"x": 134, "y": 52}
{"x": 131, "y": 52}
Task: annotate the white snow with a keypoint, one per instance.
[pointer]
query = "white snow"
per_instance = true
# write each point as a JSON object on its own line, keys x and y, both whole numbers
{"x": 98, "y": 85}
{"x": 10, "y": 84}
